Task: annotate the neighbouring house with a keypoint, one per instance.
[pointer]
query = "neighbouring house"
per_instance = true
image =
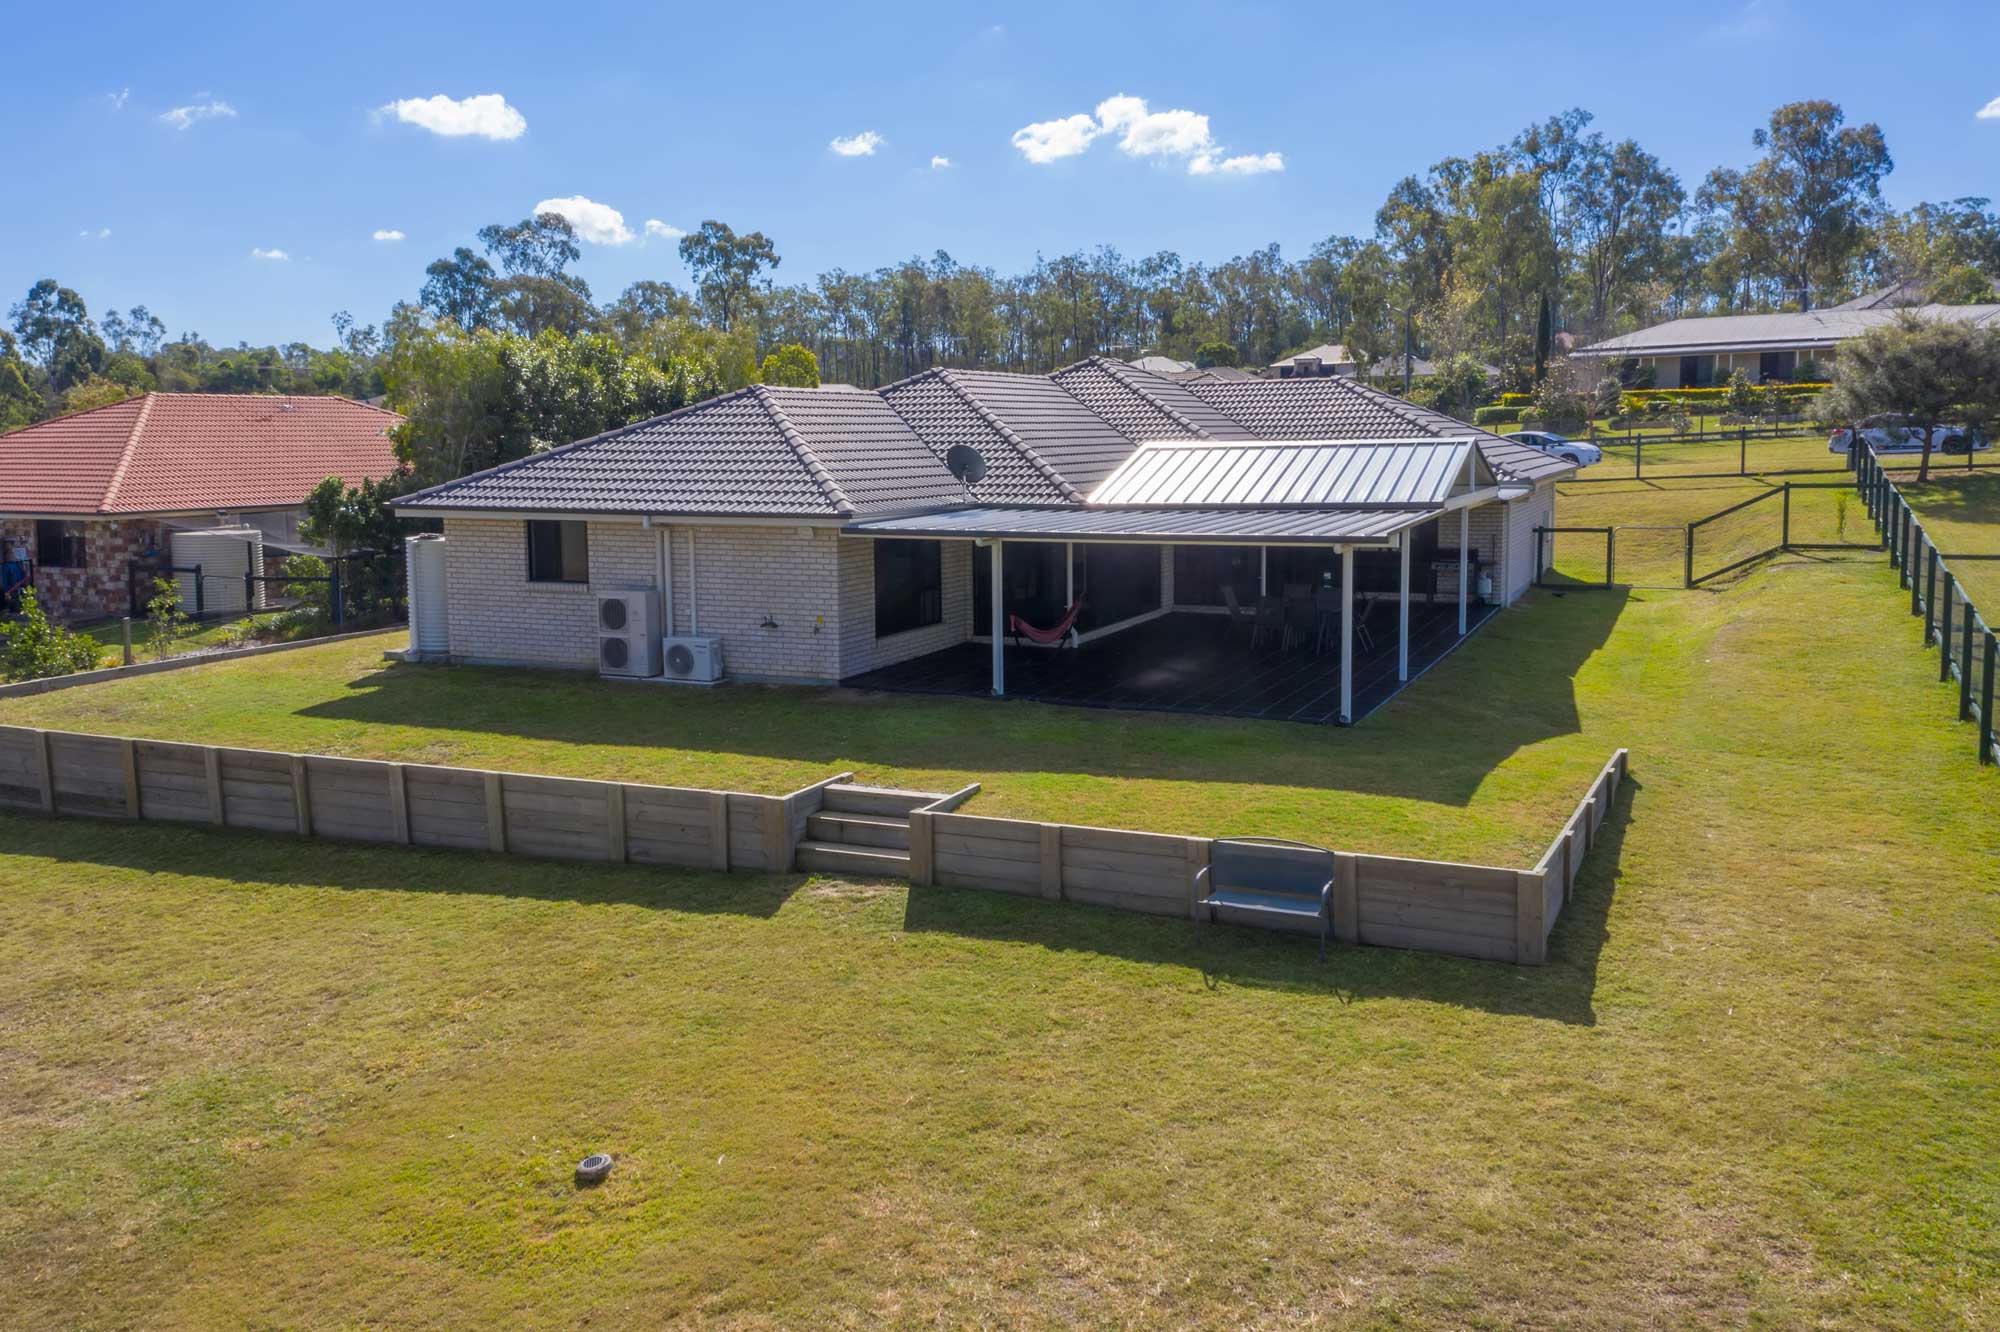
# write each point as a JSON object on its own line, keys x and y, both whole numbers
{"x": 1705, "y": 352}
{"x": 1162, "y": 365}
{"x": 92, "y": 501}
{"x": 1283, "y": 548}
{"x": 1329, "y": 358}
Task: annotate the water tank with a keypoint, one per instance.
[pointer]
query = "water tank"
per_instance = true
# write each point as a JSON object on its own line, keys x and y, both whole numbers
{"x": 225, "y": 555}
{"x": 430, "y": 631}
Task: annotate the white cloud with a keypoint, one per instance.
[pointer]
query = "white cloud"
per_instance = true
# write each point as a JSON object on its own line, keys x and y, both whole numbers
{"x": 389, "y": 234}
{"x": 276, "y": 256}
{"x": 101, "y": 233}
{"x": 863, "y": 144}
{"x": 658, "y": 230}
{"x": 939, "y": 162}
{"x": 1142, "y": 132}
{"x": 485, "y": 116}
{"x": 185, "y": 117}
{"x": 1154, "y": 133}
{"x": 1048, "y": 141}
{"x": 1991, "y": 111}
{"x": 119, "y": 98}
{"x": 600, "y": 224}
{"x": 1248, "y": 164}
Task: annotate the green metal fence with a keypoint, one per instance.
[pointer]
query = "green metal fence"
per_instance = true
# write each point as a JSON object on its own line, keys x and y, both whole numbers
{"x": 1964, "y": 638}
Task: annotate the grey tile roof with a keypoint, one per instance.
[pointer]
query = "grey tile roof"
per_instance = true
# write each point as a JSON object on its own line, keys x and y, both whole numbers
{"x": 1079, "y": 446}
{"x": 1143, "y": 406}
{"x": 1338, "y": 408}
{"x": 838, "y": 452}
{"x": 1817, "y": 328}
{"x": 941, "y": 413}
{"x": 759, "y": 451}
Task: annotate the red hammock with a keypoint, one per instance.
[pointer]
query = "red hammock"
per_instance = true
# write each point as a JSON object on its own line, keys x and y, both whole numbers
{"x": 1020, "y": 628}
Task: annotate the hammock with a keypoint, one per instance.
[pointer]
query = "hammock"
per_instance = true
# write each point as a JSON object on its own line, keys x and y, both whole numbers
{"x": 1055, "y": 633}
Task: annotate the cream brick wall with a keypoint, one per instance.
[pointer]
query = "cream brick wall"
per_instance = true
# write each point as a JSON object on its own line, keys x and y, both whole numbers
{"x": 1536, "y": 509}
{"x": 731, "y": 579}
{"x": 860, "y": 649}
{"x": 496, "y": 615}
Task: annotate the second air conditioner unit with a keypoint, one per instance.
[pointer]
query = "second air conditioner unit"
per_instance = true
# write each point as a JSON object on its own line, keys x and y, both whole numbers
{"x": 695, "y": 660}
{"x": 628, "y": 633}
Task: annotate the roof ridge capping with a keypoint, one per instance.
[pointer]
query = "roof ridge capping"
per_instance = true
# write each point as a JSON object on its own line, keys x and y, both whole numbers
{"x": 816, "y": 469}
{"x": 1120, "y": 371}
{"x": 105, "y": 505}
{"x": 1006, "y": 432}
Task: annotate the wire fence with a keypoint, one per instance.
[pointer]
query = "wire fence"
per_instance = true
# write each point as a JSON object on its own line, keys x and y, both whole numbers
{"x": 1782, "y": 450}
{"x": 1963, "y": 636}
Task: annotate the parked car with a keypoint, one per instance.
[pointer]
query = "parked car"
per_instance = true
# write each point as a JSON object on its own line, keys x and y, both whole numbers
{"x": 1573, "y": 450}
{"x": 1898, "y": 434}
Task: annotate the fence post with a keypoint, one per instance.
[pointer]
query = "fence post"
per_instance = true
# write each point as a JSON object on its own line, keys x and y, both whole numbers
{"x": 1986, "y": 700}
{"x": 1917, "y": 606}
{"x": 125, "y": 625}
{"x": 1610, "y": 556}
{"x": 1785, "y": 529}
{"x": 200, "y": 594}
{"x": 1639, "y": 461}
{"x": 336, "y": 603}
{"x": 1687, "y": 576}
{"x": 1965, "y": 668}
{"x": 1944, "y": 628}
{"x": 1743, "y": 451}
{"x": 1930, "y": 590}
{"x": 249, "y": 593}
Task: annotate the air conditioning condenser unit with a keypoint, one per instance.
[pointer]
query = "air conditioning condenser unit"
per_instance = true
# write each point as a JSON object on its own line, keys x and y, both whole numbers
{"x": 628, "y": 633}
{"x": 695, "y": 660}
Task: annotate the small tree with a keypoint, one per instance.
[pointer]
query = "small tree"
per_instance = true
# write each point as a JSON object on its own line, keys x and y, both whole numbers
{"x": 790, "y": 366}
{"x": 1459, "y": 386}
{"x": 36, "y": 649}
{"x": 1608, "y": 398}
{"x": 166, "y": 622}
{"x": 1215, "y": 353}
{"x": 1743, "y": 399}
{"x": 1934, "y": 372}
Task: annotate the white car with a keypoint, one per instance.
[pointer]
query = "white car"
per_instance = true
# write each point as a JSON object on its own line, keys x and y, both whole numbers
{"x": 1895, "y": 434}
{"x": 1570, "y": 450}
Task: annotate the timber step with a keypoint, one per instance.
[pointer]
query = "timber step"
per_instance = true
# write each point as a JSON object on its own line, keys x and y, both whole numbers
{"x": 877, "y": 830}
{"x": 847, "y": 798}
{"x": 832, "y": 858}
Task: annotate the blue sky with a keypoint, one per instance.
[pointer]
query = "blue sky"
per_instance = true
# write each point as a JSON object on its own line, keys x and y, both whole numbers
{"x": 678, "y": 113}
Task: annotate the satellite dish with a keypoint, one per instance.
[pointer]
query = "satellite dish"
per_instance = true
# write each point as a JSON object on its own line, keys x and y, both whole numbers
{"x": 965, "y": 463}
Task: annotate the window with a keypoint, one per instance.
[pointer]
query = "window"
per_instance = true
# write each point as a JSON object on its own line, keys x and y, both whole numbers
{"x": 59, "y": 544}
{"x": 909, "y": 586}
{"x": 558, "y": 552}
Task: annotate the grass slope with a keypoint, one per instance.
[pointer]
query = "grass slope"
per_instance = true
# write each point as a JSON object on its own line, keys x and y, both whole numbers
{"x": 244, "y": 1084}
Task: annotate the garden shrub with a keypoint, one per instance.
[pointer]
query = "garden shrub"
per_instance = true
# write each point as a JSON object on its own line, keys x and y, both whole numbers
{"x": 1495, "y": 416}
{"x": 35, "y": 649}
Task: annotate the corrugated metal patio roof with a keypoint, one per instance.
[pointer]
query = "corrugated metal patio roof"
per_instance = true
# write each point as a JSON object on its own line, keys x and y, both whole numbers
{"x": 1304, "y": 474}
{"x": 1181, "y": 526}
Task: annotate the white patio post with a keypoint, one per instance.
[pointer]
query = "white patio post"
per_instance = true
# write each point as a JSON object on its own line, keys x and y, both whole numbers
{"x": 1346, "y": 634}
{"x": 999, "y": 624}
{"x": 1464, "y": 563}
{"x": 1403, "y": 612}
{"x": 1263, "y": 571}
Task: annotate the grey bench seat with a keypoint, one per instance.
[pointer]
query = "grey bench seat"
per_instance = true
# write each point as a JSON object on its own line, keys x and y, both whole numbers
{"x": 1267, "y": 876}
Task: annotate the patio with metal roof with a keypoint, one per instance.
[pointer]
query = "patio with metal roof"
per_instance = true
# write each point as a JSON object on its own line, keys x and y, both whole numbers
{"x": 1340, "y": 651}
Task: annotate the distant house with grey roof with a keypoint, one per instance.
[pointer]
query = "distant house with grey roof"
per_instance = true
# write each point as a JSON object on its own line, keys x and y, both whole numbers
{"x": 1704, "y": 352}
{"x": 838, "y": 535}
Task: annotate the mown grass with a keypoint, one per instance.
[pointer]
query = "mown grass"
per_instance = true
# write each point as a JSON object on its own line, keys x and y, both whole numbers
{"x": 248, "y": 1082}
{"x": 1961, "y": 511}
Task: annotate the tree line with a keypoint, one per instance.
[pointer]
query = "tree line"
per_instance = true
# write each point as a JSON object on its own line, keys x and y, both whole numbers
{"x": 1483, "y": 258}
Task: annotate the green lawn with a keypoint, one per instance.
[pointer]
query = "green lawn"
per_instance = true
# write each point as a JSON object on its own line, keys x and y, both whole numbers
{"x": 245, "y": 1081}
{"x": 1961, "y": 511}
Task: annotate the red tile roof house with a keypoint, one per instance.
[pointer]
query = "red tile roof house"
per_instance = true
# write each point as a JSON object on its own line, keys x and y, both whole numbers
{"x": 83, "y": 496}
{"x": 844, "y": 536}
